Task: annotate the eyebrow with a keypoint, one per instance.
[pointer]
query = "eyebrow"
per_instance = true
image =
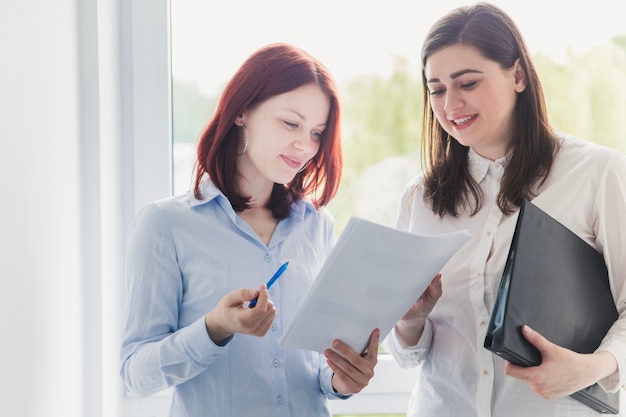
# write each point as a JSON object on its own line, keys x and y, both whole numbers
{"x": 455, "y": 75}
{"x": 304, "y": 118}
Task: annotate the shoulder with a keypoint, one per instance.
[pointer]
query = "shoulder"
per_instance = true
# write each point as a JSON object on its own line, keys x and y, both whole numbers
{"x": 576, "y": 150}
{"x": 160, "y": 213}
{"x": 319, "y": 218}
{"x": 582, "y": 162}
{"x": 413, "y": 190}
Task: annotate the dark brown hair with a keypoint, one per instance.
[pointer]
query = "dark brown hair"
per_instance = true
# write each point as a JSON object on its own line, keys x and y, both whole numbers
{"x": 448, "y": 185}
{"x": 272, "y": 70}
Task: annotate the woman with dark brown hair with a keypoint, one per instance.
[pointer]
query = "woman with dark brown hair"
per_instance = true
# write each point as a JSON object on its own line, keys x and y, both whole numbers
{"x": 488, "y": 145}
{"x": 268, "y": 162}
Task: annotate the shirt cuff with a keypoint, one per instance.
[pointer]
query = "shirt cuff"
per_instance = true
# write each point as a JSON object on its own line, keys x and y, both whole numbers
{"x": 410, "y": 356}
{"x": 200, "y": 346}
{"x": 326, "y": 381}
{"x": 615, "y": 381}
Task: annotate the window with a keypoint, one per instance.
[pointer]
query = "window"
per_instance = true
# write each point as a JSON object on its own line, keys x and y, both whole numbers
{"x": 374, "y": 55}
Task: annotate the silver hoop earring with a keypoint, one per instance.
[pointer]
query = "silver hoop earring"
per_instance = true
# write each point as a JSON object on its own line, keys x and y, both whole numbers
{"x": 245, "y": 146}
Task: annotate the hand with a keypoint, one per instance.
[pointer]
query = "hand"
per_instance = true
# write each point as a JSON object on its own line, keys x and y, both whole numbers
{"x": 230, "y": 316}
{"x": 410, "y": 327}
{"x": 562, "y": 371}
{"x": 352, "y": 372}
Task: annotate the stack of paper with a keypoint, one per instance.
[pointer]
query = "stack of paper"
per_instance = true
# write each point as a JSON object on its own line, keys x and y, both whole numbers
{"x": 370, "y": 280}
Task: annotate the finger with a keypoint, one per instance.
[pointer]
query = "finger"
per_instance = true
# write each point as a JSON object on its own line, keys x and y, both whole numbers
{"x": 435, "y": 289}
{"x": 265, "y": 322}
{"x": 372, "y": 347}
{"x": 238, "y": 297}
{"x": 351, "y": 363}
{"x": 536, "y": 339}
{"x": 261, "y": 295}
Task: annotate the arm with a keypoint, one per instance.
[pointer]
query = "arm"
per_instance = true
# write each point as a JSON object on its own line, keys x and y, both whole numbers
{"x": 411, "y": 336}
{"x": 156, "y": 351}
{"x": 562, "y": 371}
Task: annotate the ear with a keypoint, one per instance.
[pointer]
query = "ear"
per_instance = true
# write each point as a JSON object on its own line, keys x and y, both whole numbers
{"x": 239, "y": 121}
{"x": 520, "y": 77}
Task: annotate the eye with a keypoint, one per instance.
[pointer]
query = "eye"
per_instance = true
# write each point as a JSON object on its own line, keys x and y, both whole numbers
{"x": 437, "y": 93}
{"x": 290, "y": 125}
{"x": 468, "y": 86}
{"x": 317, "y": 134}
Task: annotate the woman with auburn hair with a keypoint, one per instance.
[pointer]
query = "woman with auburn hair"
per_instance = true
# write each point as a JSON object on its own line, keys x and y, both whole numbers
{"x": 488, "y": 145}
{"x": 199, "y": 317}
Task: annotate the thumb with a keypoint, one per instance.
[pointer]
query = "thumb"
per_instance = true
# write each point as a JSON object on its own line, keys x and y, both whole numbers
{"x": 537, "y": 340}
{"x": 239, "y": 296}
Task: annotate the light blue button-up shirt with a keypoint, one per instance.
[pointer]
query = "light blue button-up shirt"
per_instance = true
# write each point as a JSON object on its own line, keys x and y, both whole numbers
{"x": 183, "y": 256}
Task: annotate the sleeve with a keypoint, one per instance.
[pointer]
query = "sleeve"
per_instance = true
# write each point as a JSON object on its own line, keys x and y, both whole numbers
{"x": 326, "y": 382}
{"x": 155, "y": 353}
{"x": 610, "y": 225}
{"x": 411, "y": 356}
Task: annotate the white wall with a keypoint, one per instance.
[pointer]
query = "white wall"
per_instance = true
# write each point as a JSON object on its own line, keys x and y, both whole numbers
{"x": 40, "y": 210}
{"x": 62, "y": 214}
{"x": 84, "y": 129}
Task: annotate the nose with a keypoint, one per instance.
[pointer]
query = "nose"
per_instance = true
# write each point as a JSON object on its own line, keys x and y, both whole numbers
{"x": 304, "y": 142}
{"x": 453, "y": 101}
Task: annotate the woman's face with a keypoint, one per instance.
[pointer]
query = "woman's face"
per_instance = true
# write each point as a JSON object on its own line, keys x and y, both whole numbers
{"x": 473, "y": 98}
{"x": 284, "y": 133}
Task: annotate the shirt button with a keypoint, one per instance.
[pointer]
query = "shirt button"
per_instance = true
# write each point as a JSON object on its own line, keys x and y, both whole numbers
{"x": 272, "y": 291}
{"x": 484, "y": 372}
{"x": 488, "y": 233}
{"x": 268, "y": 258}
{"x": 275, "y": 363}
{"x": 280, "y": 400}
{"x": 274, "y": 327}
{"x": 482, "y": 322}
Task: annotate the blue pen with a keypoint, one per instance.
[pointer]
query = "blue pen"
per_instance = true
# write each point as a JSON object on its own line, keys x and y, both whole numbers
{"x": 272, "y": 280}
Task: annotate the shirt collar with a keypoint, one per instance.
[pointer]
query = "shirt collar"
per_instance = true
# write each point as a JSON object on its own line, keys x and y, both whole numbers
{"x": 479, "y": 166}
{"x": 208, "y": 190}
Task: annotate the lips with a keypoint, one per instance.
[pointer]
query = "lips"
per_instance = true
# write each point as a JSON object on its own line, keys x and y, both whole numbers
{"x": 292, "y": 162}
{"x": 464, "y": 120}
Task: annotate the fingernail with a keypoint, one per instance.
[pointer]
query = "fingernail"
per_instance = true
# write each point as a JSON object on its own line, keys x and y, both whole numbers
{"x": 336, "y": 344}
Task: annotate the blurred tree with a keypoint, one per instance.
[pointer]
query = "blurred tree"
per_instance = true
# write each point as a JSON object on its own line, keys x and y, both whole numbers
{"x": 381, "y": 119}
{"x": 586, "y": 96}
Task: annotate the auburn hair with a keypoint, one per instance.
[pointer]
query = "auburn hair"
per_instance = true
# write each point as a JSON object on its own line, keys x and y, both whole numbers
{"x": 272, "y": 70}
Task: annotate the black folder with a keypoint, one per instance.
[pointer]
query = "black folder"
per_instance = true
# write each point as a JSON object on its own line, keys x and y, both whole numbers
{"x": 558, "y": 284}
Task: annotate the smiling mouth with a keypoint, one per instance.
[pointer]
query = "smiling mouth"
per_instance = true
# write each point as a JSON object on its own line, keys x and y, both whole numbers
{"x": 464, "y": 119}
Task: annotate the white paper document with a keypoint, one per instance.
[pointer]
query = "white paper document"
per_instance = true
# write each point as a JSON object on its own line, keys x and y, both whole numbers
{"x": 371, "y": 278}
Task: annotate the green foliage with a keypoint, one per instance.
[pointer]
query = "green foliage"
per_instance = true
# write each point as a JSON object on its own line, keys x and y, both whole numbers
{"x": 586, "y": 96}
{"x": 381, "y": 119}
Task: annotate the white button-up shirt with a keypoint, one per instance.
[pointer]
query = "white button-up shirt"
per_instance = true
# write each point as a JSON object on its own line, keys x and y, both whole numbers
{"x": 586, "y": 191}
